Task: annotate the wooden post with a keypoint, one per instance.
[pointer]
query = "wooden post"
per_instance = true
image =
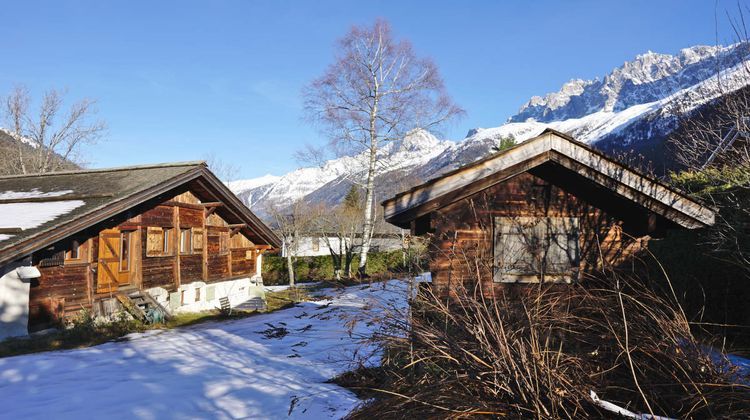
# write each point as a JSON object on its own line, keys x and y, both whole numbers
{"x": 229, "y": 249}
{"x": 176, "y": 245}
{"x": 204, "y": 251}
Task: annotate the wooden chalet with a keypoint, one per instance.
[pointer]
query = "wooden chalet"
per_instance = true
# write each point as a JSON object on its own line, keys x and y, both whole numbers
{"x": 547, "y": 210}
{"x": 171, "y": 235}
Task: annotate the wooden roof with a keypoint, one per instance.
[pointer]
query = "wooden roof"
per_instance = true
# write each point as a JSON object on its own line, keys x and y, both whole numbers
{"x": 564, "y": 151}
{"x": 94, "y": 196}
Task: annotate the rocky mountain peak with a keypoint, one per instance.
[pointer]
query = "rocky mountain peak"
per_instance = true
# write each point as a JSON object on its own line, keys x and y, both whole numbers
{"x": 647, "y": 78}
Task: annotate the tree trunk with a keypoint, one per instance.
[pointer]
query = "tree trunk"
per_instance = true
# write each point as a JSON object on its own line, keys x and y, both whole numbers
{"x": 369, "y": 221}
{"x": 290, "y": 267}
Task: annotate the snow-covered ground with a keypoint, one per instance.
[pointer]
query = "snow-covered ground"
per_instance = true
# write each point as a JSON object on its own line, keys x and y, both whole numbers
{"x": 257, "y": 367}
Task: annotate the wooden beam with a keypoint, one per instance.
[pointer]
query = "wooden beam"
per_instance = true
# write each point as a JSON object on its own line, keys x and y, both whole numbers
{"x": 10, "y": 230}
{"x": 213, "y": 204}
{"x": 51, "y": 199}
{"x": 236, "y": 227}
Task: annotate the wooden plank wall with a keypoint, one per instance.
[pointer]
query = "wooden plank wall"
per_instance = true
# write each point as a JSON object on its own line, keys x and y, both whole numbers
{"x": 462, "y": 239}
{"x": 64, "y": 289}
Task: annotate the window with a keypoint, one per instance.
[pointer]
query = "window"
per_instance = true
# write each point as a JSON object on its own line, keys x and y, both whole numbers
{"x": 124, "y": 251}
{"x": 186, "y": 241}
{"x": 197, "y": 294}
{"x": 167, "y": 248}
{"x": 529, "y": 249}
{"x": 76, "y": 253}
{"x": 315, "y": 244}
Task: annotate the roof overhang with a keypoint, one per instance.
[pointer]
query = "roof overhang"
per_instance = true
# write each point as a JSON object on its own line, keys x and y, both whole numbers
{"x": 550, "y": 146}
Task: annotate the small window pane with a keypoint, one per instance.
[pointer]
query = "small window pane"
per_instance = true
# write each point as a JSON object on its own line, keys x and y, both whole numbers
{"x": 186, "y": 241}
{"x": 124, "y": 251}
{"x": 167, "y": 248}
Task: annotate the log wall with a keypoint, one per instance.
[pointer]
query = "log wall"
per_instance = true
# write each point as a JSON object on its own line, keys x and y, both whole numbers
{"x": 66, "y": 287}
{"x": 462, "y": 243}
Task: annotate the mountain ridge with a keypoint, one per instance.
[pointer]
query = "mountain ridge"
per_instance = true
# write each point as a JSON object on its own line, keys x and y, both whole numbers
{"x": 634, "y": 107}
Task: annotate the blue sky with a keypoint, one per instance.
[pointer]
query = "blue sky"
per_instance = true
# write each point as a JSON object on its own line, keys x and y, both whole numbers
{"x": 176, "y": 80}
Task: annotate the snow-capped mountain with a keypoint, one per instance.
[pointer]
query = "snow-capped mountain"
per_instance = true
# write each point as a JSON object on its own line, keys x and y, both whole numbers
{"x": 632, "y": 108}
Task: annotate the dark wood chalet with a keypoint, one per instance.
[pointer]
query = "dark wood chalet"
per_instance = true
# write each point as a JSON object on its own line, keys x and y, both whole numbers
{"x": 546, "y": 210}
{"x": 170, "y": 234}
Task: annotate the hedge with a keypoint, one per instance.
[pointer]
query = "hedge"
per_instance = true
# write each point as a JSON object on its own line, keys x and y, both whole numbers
{"x": 321, "y": 267}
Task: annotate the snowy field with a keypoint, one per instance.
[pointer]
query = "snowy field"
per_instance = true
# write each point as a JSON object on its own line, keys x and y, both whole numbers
{"x": 257, "y": 367}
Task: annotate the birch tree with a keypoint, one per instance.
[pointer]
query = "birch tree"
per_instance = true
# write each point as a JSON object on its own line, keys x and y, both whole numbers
{"x": 375, "y": 92}
{"x": 50, "y": 139}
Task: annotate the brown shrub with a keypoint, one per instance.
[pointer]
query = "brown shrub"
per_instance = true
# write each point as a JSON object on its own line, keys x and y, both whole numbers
{"x": 539, "y": 354}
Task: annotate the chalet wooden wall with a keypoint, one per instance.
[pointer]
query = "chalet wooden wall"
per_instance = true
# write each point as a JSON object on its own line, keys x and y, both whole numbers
{"x": 463, "y": 235}
{"x": 218, "y": 253}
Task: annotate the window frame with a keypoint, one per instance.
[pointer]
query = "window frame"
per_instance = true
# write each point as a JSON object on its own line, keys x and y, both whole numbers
{"x": 549, "y": 227}
{"x": 125, "y": 245}
{"x": 81, "y": 255}
{"x": 186, "y": 234}
{"x": 167, "y": 241}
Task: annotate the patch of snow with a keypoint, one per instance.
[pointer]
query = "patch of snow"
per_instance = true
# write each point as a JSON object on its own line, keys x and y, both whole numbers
{"x": 31, "y": 215}
{"x": 25, "y": 140}
{"x": 255, "y": 367}
{"x": 35, "y": 193}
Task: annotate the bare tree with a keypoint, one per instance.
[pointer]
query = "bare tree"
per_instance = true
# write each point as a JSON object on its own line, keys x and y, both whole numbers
{"x": 375, "y": 92}
{"x": 338, "y": 226}
{"x": 225, "y": 171}
{"x": 49, "y": 141}
{"x": 291, "y": 224}
{"x": 712, "y": 146}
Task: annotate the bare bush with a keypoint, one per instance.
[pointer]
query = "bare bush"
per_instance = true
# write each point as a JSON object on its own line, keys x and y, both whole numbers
{"x": 539, "y": 351}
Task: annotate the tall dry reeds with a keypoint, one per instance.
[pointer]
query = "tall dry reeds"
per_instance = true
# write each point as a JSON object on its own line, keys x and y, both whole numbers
{"x": 537, "y": 351}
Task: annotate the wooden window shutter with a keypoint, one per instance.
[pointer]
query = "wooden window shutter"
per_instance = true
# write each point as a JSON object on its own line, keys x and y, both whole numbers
{"x": 517, "y": 244}
{"x": 223, "y": 242}
{"x": 154, "y": 241}
{"x": 562, "y": 248}
{"x": 527, "y": 248}
{"x": 197, "y": 239}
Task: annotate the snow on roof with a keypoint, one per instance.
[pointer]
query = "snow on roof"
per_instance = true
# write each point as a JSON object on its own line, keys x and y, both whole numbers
{"x": 34, "y": 193}
{"x": 32, "y": 214}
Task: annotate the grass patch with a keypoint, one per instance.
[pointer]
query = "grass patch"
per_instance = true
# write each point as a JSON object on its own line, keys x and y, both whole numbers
{"x": 283, "y": 299}
{"x": 85, "y": 331}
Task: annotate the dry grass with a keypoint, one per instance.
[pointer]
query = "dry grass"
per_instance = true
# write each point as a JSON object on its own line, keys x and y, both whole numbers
{"x": 540, "y": 352}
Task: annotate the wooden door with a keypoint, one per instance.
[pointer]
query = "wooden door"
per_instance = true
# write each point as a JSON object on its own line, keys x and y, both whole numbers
{"x": 115, "y": 260}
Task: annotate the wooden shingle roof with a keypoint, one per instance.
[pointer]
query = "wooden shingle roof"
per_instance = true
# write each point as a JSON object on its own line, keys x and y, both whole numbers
{"x": 40, "y": 209}
{"x": 563, "y": 151}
